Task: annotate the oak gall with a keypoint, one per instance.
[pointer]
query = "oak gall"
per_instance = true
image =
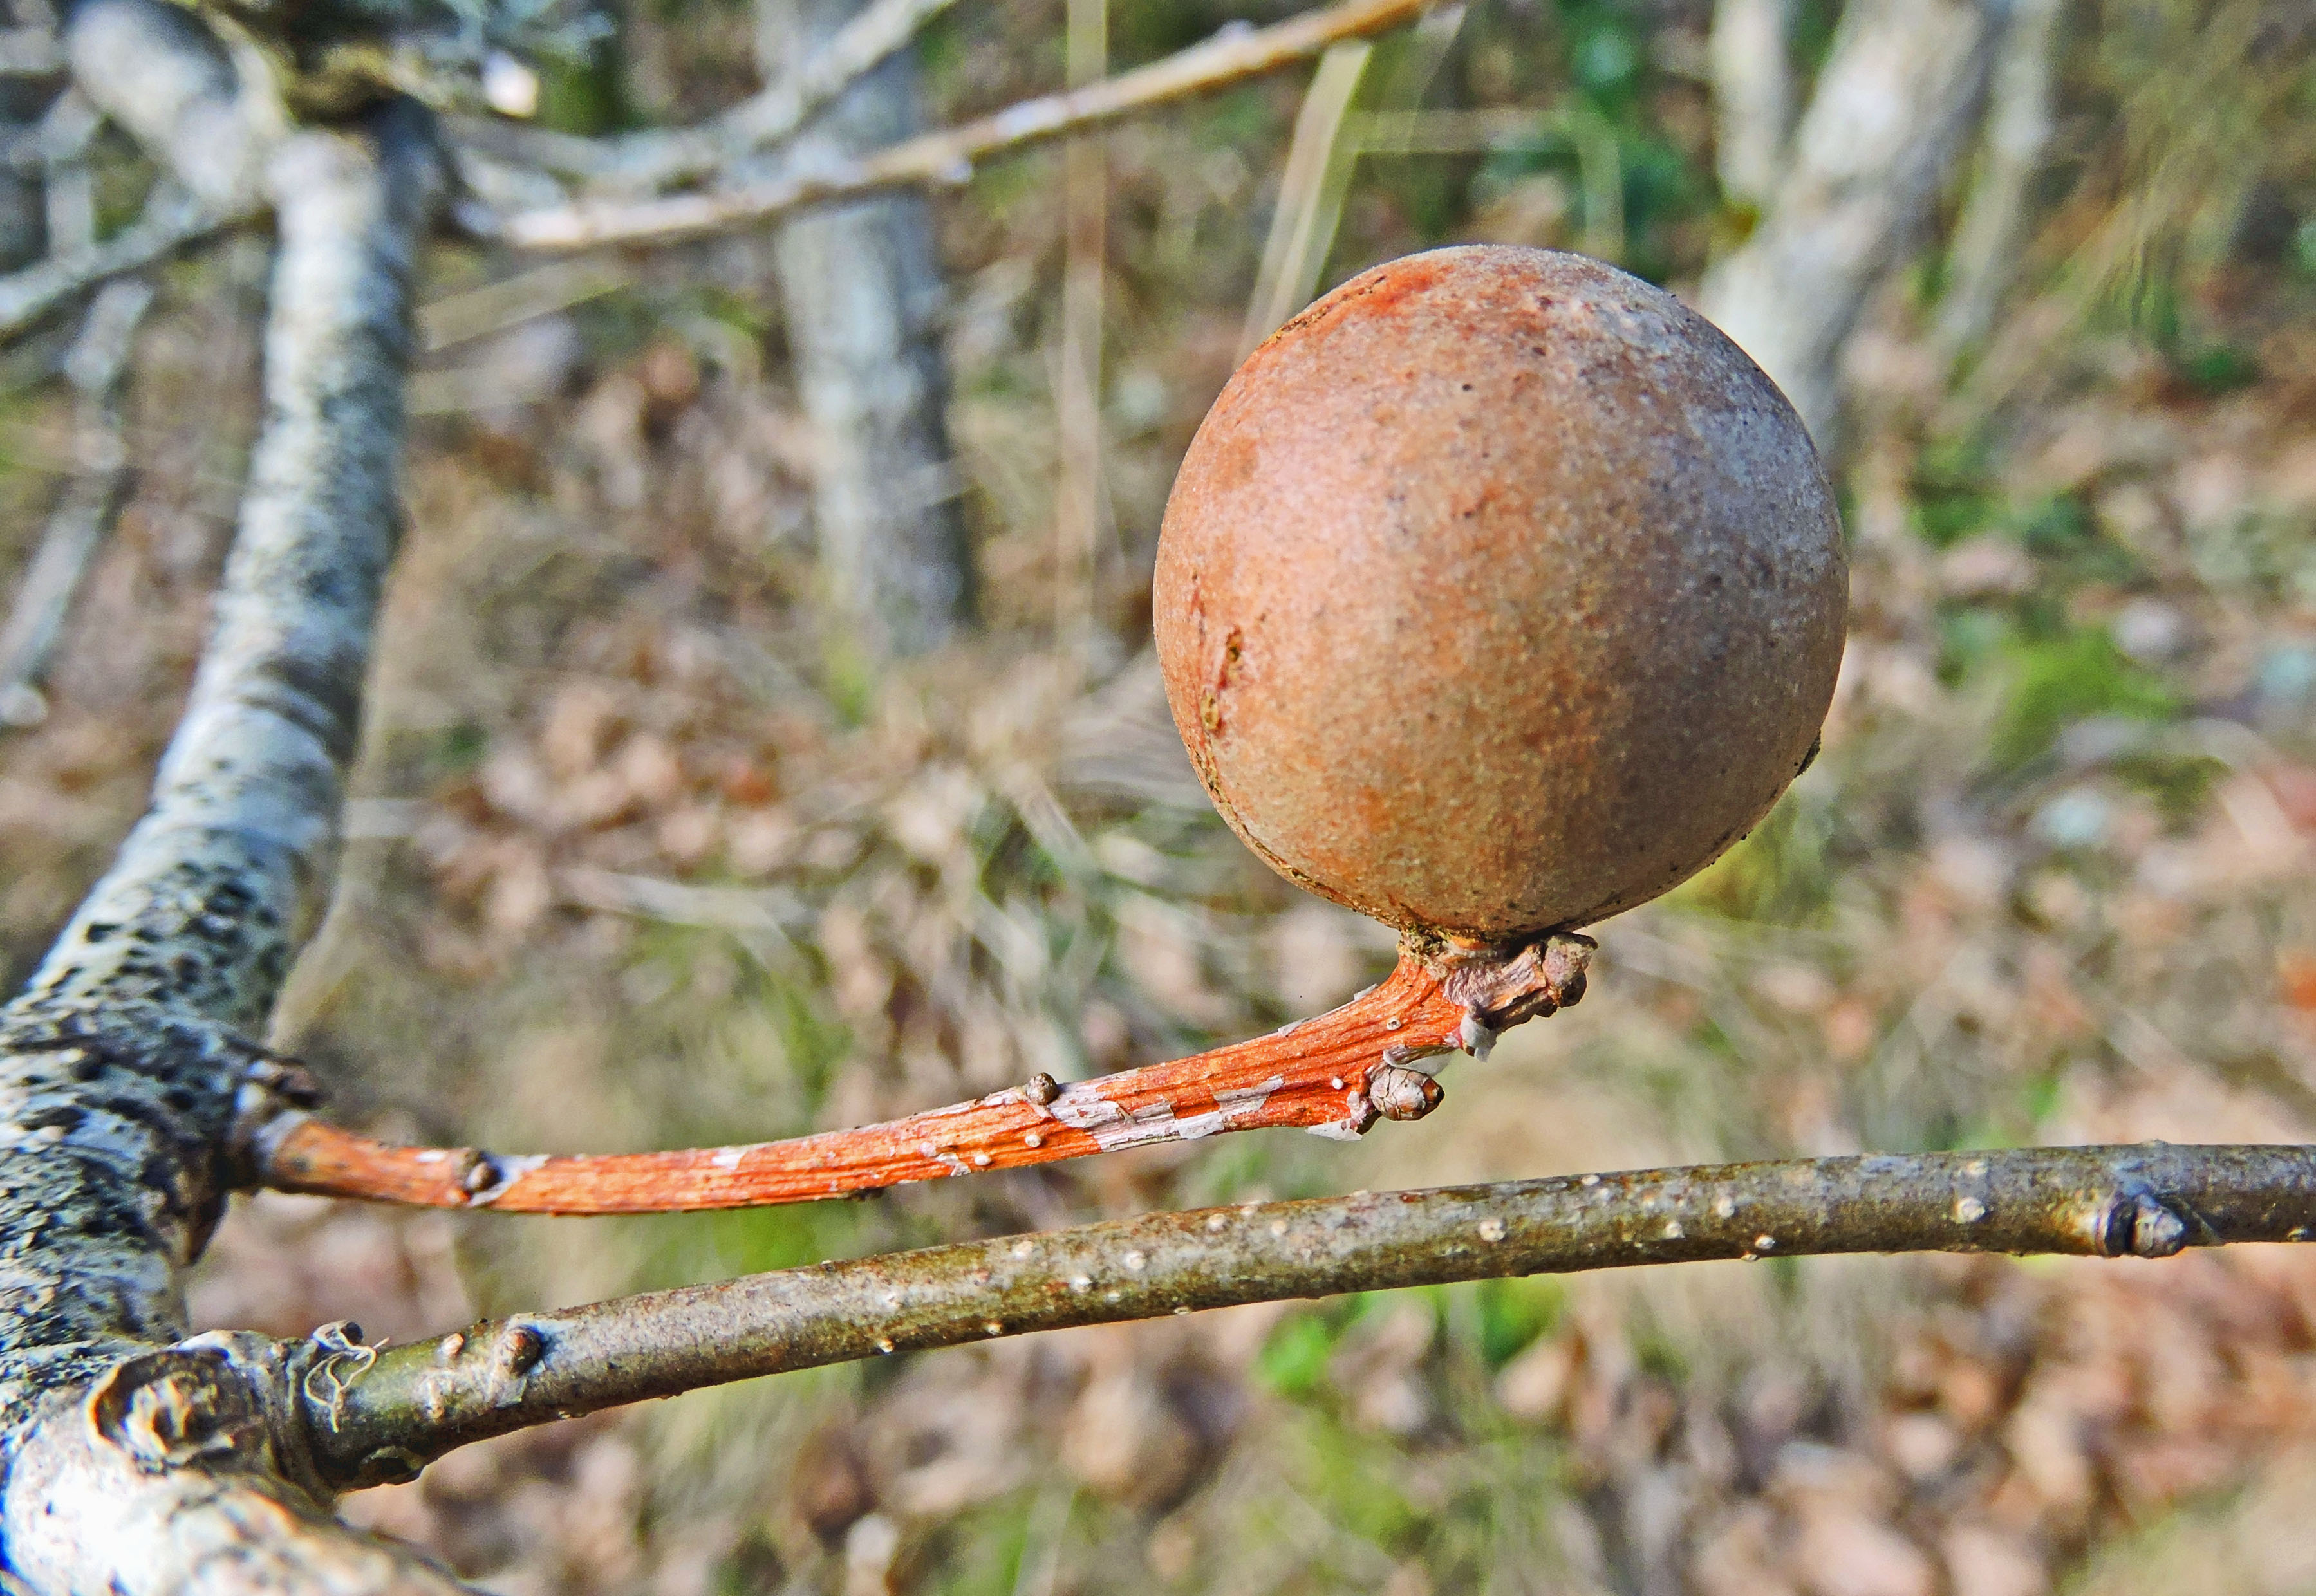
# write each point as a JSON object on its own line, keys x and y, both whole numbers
{"x": 1498, "y": 592}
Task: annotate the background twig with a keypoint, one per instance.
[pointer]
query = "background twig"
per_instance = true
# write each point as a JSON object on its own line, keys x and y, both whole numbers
{"x": 948, "y": 157}
{"x": 77, "y": 528}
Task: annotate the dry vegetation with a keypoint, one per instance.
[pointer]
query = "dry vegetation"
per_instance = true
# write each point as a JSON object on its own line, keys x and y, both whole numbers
{"x": 644, "y": 858}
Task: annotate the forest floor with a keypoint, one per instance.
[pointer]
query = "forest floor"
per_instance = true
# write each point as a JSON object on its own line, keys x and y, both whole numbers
{"x": 639, "y": 859}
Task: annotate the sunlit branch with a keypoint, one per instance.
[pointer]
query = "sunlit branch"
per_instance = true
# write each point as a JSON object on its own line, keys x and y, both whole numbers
{"x": 412, "y": 1404}
{"x": 1335, "y": 1074}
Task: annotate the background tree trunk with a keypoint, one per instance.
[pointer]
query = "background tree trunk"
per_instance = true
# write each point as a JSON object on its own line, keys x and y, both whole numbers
{"x": 862, "y": 290}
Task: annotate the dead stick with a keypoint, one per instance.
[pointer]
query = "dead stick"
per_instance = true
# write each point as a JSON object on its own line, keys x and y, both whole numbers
{"x": 948, "y": 157}
{"x": 1335, "y": 1074}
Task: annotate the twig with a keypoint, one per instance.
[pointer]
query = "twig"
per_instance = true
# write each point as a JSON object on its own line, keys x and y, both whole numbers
{"x": 418, "y": 1401}
{"x": 947, "y": 158}
{"x": 170, "y": 223}
{"x": 659, "y": 158}
{"x": 1335, "y": 1074}
{"x": 83, "y": 514}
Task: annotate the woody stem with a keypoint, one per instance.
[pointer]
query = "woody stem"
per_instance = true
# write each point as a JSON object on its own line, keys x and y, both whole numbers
{"x": 1334, "y": 1075}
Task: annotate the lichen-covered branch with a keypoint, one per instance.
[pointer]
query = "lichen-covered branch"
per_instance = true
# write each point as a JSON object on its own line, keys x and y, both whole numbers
{"x": 415, "y": 1403}
{"x": 1335, "y": 1074}
{"x": 947, "y": 158}
{"x": 123, "y": 1066}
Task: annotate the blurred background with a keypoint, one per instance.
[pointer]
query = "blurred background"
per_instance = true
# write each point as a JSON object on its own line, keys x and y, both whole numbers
{"x": 765, "y": 739}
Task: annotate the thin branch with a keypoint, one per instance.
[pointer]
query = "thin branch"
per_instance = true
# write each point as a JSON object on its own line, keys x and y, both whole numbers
{"x": 415, "y": 1403}
{"x": 947, "y": 158}
{"x": 1335, "y": 1074}
{"x": 77, "y": 528}
{"x": 171, "y": 222}
{"x": 661, "y": 158}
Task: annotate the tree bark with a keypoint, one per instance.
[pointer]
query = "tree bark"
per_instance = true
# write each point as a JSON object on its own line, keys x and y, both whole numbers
{"x": 862, "y": 290}
{"x": 135, "y": 1466}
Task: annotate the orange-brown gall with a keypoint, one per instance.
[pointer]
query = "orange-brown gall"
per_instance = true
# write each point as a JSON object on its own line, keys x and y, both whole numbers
{"x": 1499, "y": 592}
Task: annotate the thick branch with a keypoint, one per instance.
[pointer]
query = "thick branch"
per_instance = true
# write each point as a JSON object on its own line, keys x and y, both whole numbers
{"x": 1334, "y": 1075}
{"x": 1894, "y": 105}
{"x": 416, "y": 1402}
{"x": 121, "y": 1068}
{"x": 947, "y": 158}
{"x": 206, "y": 116}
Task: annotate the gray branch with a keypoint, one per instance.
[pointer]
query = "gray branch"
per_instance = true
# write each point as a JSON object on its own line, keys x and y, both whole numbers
{"x": 207, "y": 116}
{"x": 1895, "y": 102}
{"x": 122, "y": 1067}
{"x": 792, "y": 97}
{"x": 412, "y": 1404}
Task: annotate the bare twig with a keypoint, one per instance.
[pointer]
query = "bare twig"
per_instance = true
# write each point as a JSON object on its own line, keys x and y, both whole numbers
{"x": 83, "y": 514}
{"x": 170, "y": 223}
{"x": 947, "y": 158}
{"x": 1334, "y": 1075}
{"x": 416, "y": 1402}
{"x": 661, "y": 157}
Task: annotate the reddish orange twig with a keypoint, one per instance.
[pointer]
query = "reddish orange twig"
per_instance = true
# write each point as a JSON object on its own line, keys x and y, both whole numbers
{"x": 1335, "y": 1074}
